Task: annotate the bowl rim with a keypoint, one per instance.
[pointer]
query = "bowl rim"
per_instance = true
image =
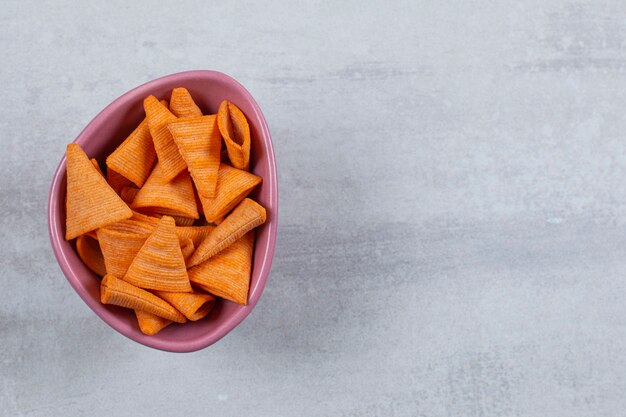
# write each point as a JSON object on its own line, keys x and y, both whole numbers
{"x": 57, "y": 236}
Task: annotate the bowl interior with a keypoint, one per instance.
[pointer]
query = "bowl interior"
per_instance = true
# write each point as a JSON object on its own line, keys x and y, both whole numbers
{"x": 103, "y": 134}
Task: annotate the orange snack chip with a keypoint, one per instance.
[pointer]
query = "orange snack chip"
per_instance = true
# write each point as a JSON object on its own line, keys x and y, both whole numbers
{"x": 120, "y": 293}
{"x": 90, "y": 202}
{"x": 248, "y": 215}
{"x": 89, "y": 251}
{"x": 235, "y": 130}
{"x": 233, "y": 185}
{"x": 182, "y": 105}
{"x": 227, "y": 274}
{"x": 175, "y": 195}
{"x": 167, "y": 152}
{"x": 151, "y": 324}
{"x": 193, "y": 305}
{"x": 135, "y": 157}
{"x": 119, "y": 249}
{"x": 199, "y": 142}
{"x": 159, "y": 264}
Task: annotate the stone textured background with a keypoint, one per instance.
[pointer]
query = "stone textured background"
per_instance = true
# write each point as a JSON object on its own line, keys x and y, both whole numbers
{"x": 452, "y": 221}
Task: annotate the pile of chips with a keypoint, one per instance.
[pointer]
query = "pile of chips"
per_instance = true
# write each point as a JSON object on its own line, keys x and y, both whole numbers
{"x": 169, "y": 227}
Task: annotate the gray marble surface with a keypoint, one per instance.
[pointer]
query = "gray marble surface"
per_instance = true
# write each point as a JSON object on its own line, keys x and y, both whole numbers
{"x": 452, "y": 208}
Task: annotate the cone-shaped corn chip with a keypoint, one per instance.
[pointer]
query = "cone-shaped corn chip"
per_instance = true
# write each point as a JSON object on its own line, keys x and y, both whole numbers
{"x": 199, "y": 142}
{"x": 120, "y": 293}
{"x": 227, "y": 274}
{"x": 175, "y": 195}
{"x": 150, "y": 324}
{"x": 167, "y": 152}
{"x": 135, "y": 157}
{"x": 248, "y": 215}
{"x": 182, "y": 105}
{"x": 90, "y": 201}
{"x": 89, "y": 251}
{"x": 187, "y": 248}
{"x": 94, "y": 161}
{"x": 119, "y": 249}
{"x": 193, "y": 305}
{"x": 233, "y": 185}
{"x": 160, "y": 265}
{"x": 196, "y": 233}
{"x": 92, "y": 234}
{"x": 117, "y": 181}
{"x": 236, "y": 133}
{"x": 128, "y": 194}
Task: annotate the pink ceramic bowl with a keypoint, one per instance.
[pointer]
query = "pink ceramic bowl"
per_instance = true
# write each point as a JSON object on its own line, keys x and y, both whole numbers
{"x": 107, "y": 130}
